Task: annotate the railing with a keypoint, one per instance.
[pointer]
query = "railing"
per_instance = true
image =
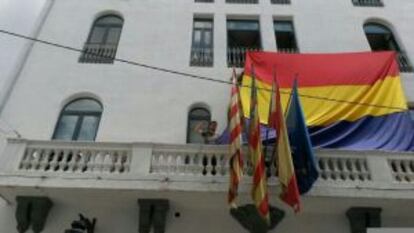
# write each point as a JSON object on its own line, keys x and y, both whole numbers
{"x": 288, "y": 50}
{"x": 280, "y": 1}
{"x": 243, "y": 1}
{"x": 236, "y": 55}
{"x": 98, "y": 53}
{"x": 75, "y": 159}
{"x": 404, "y": 62}
{"x": 402, "y": 170}
{"x": 350, "y": 168}
{"x": 201, "y": 57}
{"x": 135, "y": 161}
{"x": 377, "y": 3}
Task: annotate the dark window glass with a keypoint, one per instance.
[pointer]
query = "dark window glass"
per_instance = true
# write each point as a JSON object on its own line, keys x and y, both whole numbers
{"x": 79, "y": 120}
{"x": 198, "y": 121}
{"x": 202, "y": 46}
{"x": 242, "y": 36}
{"x": 103, "y": 40}
{"x": 380, "y": 37}
{"x": 243, "y": 33}
{"x": 285, "y": 36}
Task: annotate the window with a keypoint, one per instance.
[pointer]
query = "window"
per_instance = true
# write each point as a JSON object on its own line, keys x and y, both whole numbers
{"x": 285, "y": 36}
{"x": 103, "y": 39}
{"x": 280, "y": 1}
{"x": 202, "y": 45}
{"x": 198, "y": 121}
{"x": 243, "y": 1}
{"x": 367, "y": 3}
{"x": 381, "y": 38}
{"x": 79, "y": 120}
{"x": 242, "y": 36}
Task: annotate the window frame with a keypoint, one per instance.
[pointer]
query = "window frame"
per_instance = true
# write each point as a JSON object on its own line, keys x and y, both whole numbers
{"x": 107, "y": 27}
{"x": 391, "y": 40}
{"x": 79, "y": 121}
{"x": 292, "y": 34}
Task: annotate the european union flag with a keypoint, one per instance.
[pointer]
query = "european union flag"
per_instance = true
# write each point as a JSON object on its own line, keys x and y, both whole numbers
{"x": 301, "y": 146}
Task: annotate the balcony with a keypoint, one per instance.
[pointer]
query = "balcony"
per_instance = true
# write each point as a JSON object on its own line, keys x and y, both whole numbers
{"x": 198, "y": 168}
{"x": 98, "y": 53}
{"x": 236, "y": 56}
{"x": 201, "y": 57}
{"x": 374, "y": 3}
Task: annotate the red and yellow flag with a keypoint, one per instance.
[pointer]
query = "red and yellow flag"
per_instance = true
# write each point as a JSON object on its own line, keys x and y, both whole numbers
{"x": 259, "y": 189}
{"x": 286, "y": 171}
{"x": 235, "y": 128}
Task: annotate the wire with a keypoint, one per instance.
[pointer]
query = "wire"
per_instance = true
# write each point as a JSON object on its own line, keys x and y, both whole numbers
{"x": 188, "y": 75}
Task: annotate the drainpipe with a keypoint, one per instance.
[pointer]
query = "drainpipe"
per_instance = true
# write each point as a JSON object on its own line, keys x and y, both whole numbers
{"x": 11, "y": 80}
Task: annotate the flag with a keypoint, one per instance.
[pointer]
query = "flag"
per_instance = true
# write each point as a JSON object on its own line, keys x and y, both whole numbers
{"x": 235, "y": 128}
{"x": 353, "y": 101}
{"x": 259, "y": 189}
{"x": 286, "y": 172}
{"x": 302, "y": 153}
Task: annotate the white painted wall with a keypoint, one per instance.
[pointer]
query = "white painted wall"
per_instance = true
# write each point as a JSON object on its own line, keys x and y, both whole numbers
{"x": 18, "y": 16}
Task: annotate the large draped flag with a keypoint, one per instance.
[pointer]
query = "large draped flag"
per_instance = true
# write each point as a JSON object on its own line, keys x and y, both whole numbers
{"x": 259, "y": 189}
{"x": 350, "y": 100}
{"x": 235, "y": 128}
{"x": 286, "y": 171}
{"x": 302, "y": 152}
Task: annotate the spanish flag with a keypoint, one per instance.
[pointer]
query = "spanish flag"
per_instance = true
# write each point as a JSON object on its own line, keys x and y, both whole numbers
{"x": 350, "y": 100}
{"x": 286, "y": 171}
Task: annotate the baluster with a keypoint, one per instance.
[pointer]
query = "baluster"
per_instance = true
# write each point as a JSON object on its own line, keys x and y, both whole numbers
{"x": 180, "y": 164}
{"x": 53, "y": 163}
{"x": 99, "y": 161}
{"x": 44, "y": 160}
{"x": 73, "y": 160}
{"x": 197, "y": 165}
{"x": 25, "y": 162}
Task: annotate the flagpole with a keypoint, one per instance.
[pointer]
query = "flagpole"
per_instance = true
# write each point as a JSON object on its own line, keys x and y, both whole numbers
{"x": 269, "y": 161}
{"x": 291, "y": 93}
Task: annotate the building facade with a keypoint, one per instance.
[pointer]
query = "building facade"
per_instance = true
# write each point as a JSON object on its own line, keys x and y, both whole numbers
{"x": 103, "y": 136}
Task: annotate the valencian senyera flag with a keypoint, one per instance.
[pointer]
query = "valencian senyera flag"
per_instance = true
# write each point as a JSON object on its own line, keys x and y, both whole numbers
{"x": 350, "y": 101}
{"x": 303, "y": 158}
{"x": 236, "y": 142}
{"x": 259, "y": 189}
{"x": 283, "y": 154}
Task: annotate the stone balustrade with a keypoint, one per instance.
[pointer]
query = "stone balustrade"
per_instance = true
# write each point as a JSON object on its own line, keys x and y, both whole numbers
{"x": 135, "y": 161}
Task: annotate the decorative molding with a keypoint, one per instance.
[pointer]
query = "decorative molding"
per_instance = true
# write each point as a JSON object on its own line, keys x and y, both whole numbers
{"x": 153, "y": 215}
{"x": 360, "y": 218}
{"x": 32, "y": 211}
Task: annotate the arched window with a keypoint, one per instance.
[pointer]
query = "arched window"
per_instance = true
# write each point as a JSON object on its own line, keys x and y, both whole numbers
{"x": 103, "y": 40}
{"x": 79, "y": 120}
{"x": 381, "y": 38}
{"x": 198, "y": 121}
